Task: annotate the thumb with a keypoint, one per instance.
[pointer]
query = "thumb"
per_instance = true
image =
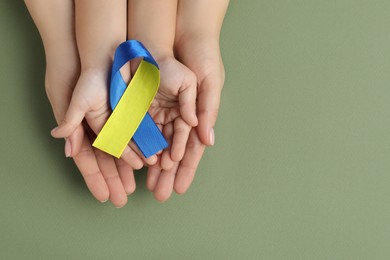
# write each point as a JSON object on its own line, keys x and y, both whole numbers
{"x": 72, "y": 120}
{"x": 209, "y": 95}
{"x": 74, "y": 142}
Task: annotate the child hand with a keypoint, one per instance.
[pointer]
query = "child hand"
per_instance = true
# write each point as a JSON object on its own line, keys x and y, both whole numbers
{"x": 90, "y": 100}
{"x": 174, "y": 108}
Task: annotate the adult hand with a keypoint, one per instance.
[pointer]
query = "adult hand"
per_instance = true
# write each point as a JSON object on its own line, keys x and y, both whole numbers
{"x": 105, "y": 178}
{"x": 202, "y": 56}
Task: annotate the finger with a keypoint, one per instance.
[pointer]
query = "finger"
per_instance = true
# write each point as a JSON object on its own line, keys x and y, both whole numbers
{"x": 151, "y": 160}
{"x": 209, "y": 95}
{"x": 154, "y": 171}
{"x": 74, "y": 142}
{"x": 97, "y": 119}
{"x": 166, "y": 162}
{"x": 107, "y": 165}
{"x": 188, "y": 165}
{"x": 73, "y": 118}
{"x": 159, "y": 152}
{"x": 180, "y": 137}
{"x": 187, "y": 100}
{"x": 164, "y": 116}
{"x": 164, "y": 186}
{"x": 131, "y": 154}
{"x": 87, "y": 164}
{"x": 127, "y": 176}
{"x": 132, "y": 159}
{"x": 152, "y": 177}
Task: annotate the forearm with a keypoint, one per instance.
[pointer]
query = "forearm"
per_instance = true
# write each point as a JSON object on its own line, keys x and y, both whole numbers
{"x": 153, "y": 23}
{"x": 55, "y": 22}
{"x": 198, "y": 30}
{"x": 200, "y": 18}
{"x": 100, "y": 28}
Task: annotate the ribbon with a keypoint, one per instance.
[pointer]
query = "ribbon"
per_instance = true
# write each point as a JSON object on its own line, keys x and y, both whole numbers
{"x": 129, "y": 118}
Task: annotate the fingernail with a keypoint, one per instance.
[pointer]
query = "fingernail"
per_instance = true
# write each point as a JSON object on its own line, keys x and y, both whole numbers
{"x": 102, "y": 201}
{"x": 195, "y": 121}
{"x": 212, "y": 136}
{"x": 68, "y": 147}
{"x": 153, "y": 160}
{"x": 54, "y": 130}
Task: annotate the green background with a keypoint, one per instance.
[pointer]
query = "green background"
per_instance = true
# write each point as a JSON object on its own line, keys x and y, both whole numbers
{"x": 300, "y": 169}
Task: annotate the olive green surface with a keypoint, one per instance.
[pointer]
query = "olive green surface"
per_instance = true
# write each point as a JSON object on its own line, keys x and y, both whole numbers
{"x": 300, "y": 169}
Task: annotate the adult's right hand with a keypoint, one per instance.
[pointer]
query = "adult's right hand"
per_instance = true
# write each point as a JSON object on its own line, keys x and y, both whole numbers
{"x": 202, "y": 56}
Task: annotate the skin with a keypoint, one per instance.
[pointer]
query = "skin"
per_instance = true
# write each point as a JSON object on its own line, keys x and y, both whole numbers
{"x": 96, "y": 52}
{"x": 196, "y": 45}
{"x": 106, "y": 177}
{"x": 174, "y": 107}
{"x": 55, "y": 23}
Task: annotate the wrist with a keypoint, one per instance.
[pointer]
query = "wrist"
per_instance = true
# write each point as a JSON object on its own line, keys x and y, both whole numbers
{"x": 95, "y": 74}
{"x": 185, "y": 35}
{"x": 186, "y": 40}
{"x": 161, "y": 54}
{"x": 190, "y": 46}
{"x": 100, "y": 60}
{"x": 97, "y": 66}
{"x": 158, "y": 50}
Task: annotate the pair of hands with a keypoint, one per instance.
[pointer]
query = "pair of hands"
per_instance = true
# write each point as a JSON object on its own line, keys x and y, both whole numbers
{"x": 186, "y": 123}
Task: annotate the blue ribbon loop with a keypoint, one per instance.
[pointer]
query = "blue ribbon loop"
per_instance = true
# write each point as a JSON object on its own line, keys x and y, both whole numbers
{"x": 148, "y": 136}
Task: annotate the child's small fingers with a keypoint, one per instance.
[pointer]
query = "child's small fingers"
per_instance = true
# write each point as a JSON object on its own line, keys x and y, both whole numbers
{"x": 180, "y": 137}
{"x": 187, "y": 100}
{"x": 132, "y": 159}
{"x": 149, "y": 161}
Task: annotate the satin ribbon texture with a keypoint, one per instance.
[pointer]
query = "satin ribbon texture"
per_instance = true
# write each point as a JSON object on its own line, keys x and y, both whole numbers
{"x": 129, "y": 118}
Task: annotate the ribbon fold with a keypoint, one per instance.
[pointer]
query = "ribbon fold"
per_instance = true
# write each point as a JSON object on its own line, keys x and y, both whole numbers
{"x": 130, "y": 104}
